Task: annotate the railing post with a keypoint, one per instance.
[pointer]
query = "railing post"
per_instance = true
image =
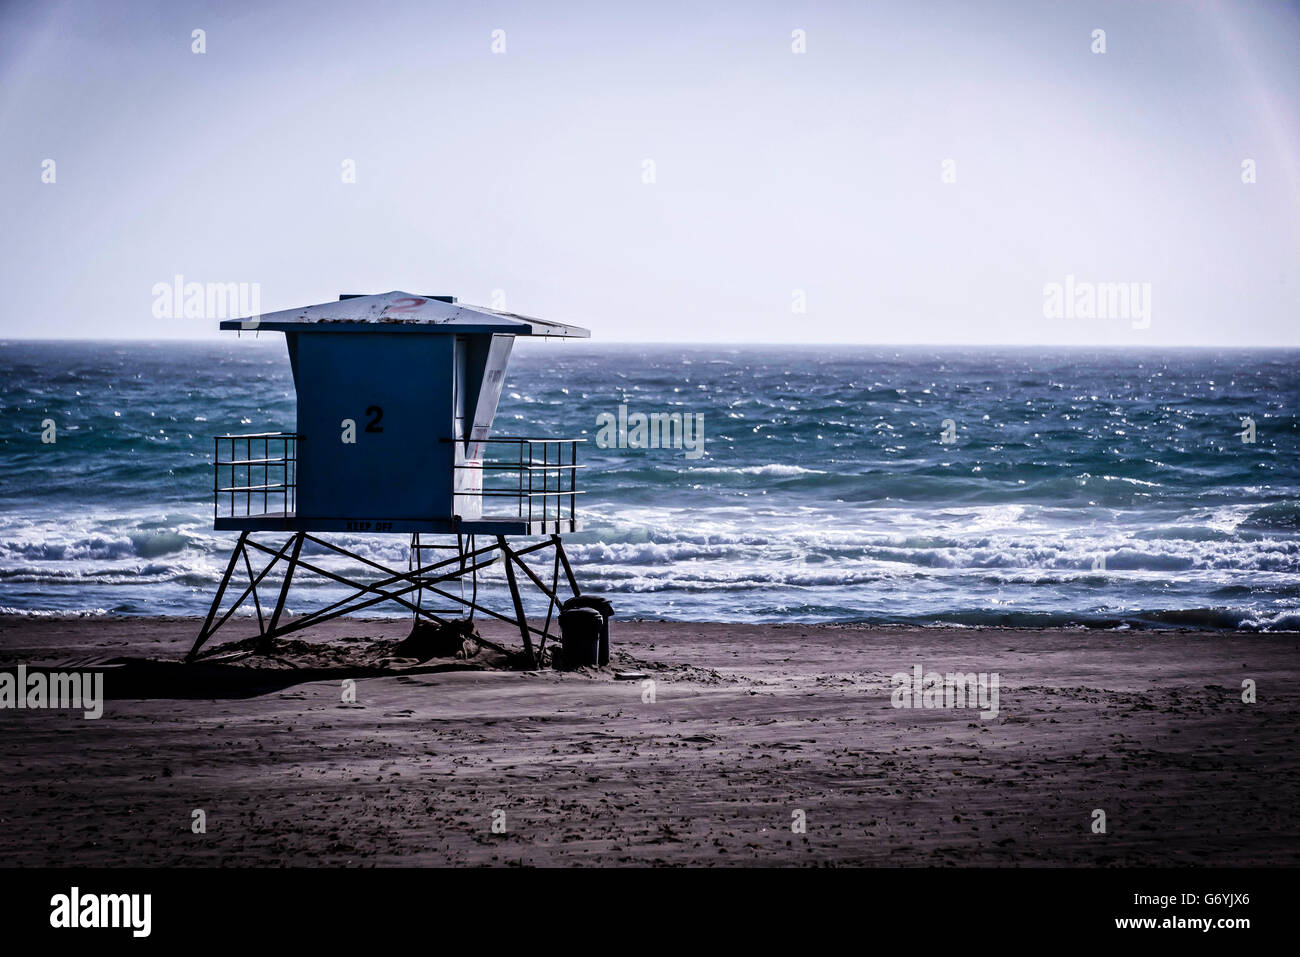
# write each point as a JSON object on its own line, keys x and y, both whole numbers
{"x": 573, "y": 482}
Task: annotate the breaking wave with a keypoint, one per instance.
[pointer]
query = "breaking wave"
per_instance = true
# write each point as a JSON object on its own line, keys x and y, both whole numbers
{"x": 1105, "y": 490}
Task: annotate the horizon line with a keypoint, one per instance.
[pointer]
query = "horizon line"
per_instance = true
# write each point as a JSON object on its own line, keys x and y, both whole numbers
{"x": 588, "y": 343}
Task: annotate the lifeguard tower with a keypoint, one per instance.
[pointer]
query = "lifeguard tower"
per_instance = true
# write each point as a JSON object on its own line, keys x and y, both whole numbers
{"x": 396, "y": 397}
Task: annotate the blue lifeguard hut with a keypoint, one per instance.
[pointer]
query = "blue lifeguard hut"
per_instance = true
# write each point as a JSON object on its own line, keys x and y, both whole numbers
{"x": 396, "y": 395}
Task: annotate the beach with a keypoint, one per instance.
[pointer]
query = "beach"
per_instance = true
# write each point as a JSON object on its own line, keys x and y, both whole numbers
{"x": 732, "y": 744}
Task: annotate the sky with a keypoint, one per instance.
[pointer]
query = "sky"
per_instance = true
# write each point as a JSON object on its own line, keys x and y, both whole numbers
{"x": 929, "y": 173}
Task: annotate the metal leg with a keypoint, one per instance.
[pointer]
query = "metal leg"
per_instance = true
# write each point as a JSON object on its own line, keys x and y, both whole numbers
{"x": 395, "y": 586}
{"x": 252, "y": 585}
{"x": 473, "y": 594}
{"x": 519, "y": 602}
{"x": 564, "y": 560}
{"x": 551, "y": 606}
{"x": 553, "y": 603}
{"x": 205, "y": 631}
{"x": 257, "y": 603}
{"x": 412, "y": 563}
{"x": 265, "y": 643}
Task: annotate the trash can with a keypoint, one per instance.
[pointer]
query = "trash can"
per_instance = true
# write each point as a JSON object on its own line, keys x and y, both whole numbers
{"x": 606, "y": 610}
{"x": 580, "y": 636}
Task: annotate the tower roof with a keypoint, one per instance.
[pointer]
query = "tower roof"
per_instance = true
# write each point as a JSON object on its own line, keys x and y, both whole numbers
{"x": 403, "y": 312}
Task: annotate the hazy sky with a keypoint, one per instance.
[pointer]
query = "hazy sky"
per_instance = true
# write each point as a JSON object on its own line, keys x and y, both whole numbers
{"x": 780, "y": 179}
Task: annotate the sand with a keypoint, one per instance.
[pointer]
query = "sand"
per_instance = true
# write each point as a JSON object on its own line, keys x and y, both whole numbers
{"x": 751, "y": 726}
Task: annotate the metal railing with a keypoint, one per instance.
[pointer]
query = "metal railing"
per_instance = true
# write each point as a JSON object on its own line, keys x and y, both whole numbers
{"x": 262, "y": 465}
{"x": 539, "y": 475}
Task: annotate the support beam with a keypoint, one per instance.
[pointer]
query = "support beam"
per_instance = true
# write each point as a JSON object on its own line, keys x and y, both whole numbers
{"x": 554, "y": 599}
{"x": 207, "y": 628}
{"x": 564, "y": 559}
{"x": 395, "y": 586}
{"x": 261, "y": 624}
{"x": 255, "y": 582}
{"x": 519, "y": 602}
{"x": 265, "y": 643}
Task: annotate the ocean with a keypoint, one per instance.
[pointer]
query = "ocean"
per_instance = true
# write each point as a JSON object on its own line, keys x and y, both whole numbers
{"x": 959, "y": 486}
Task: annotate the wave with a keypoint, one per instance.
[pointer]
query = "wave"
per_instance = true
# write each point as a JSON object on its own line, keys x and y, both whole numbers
{"x": 143, "y": 544}
{"x": 58, "y": 613}
{"x": 1282, "y": 621}
{"x": 1212, "y": 619}
{"x": 826, "y": 491}
{"x": 1276, "y": 515}
{"x": 773, "y": 469}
